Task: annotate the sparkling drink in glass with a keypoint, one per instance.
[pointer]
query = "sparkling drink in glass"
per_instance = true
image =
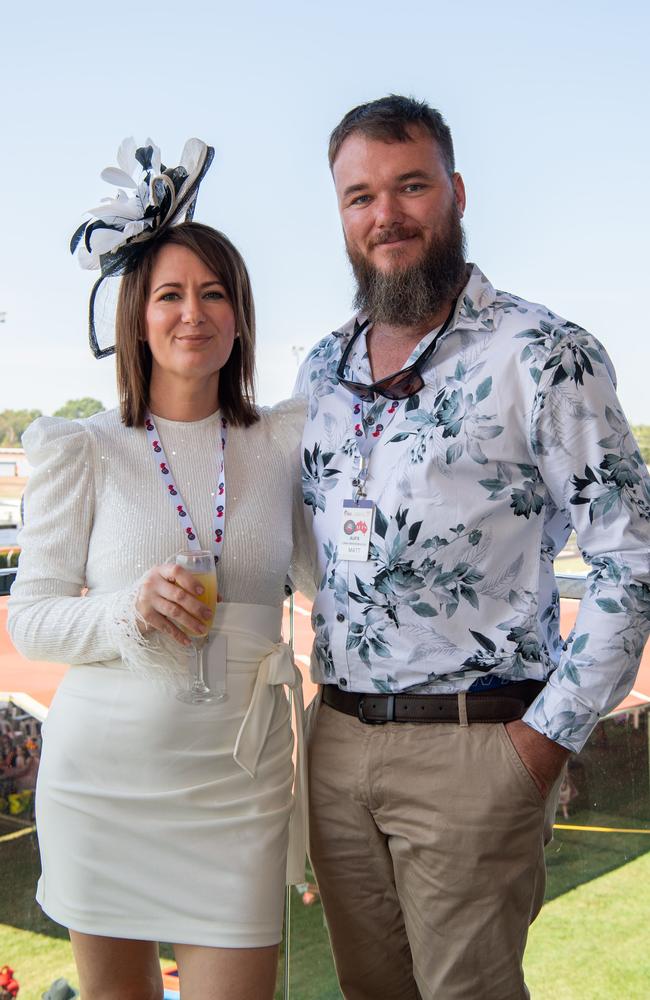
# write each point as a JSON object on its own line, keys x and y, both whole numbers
{"x": 201, "y": 565}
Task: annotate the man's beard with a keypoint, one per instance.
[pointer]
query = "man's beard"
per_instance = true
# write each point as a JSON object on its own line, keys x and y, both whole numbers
{"x": 408, "y": 296}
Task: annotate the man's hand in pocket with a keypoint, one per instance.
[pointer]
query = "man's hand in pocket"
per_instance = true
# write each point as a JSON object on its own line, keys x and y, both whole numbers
{"x": 542, "y": 758}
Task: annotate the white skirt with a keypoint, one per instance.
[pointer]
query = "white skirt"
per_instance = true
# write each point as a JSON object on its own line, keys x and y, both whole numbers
{"x": 164, "y": 821}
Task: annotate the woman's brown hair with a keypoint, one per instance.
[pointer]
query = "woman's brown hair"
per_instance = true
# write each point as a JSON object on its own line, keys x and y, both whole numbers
{"x": 133, "y": 355}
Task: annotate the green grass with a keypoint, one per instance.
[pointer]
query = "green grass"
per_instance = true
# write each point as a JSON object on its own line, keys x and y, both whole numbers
{"x": 574, "y": 858}
{"x": 642, "y": 435}
{"x": 590, "y": 941}
{"x": 312, "y": 975}
{"x": 37, "y": 960}
{"x": 38, "y": 950}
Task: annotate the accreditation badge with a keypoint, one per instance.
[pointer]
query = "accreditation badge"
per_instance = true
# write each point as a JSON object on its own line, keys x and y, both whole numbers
{"x": 356, "y": 529}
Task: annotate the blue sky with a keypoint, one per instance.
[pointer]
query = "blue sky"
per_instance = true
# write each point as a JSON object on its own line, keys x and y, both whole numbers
{"x": 547, "y": 104}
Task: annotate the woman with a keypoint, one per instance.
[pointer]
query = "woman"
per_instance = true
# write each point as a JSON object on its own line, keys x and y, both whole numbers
{"x": 24, "y": 769}
{"x": 160, "y": 820}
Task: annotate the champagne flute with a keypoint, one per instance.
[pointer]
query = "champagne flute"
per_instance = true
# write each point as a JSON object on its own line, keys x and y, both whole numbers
{"x": 201, "y": 565}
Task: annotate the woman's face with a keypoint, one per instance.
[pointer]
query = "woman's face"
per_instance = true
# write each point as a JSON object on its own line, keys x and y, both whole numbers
{"x": 190, "y": 323}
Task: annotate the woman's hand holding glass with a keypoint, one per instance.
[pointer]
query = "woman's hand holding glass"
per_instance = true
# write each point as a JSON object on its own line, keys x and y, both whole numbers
{"x": 169, "y": 601}
{"x": 180, "y": 598}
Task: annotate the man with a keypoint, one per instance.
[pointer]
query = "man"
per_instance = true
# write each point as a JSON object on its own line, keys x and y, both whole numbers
{"x": 455, "y": 435}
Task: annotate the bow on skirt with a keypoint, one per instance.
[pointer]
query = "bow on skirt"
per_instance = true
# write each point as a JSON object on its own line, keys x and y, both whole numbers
{"x": 277, "y": 668}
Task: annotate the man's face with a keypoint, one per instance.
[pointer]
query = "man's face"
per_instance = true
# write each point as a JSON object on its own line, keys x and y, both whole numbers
{"x": 401, "y": 215}
{"x": 394, "y": 198}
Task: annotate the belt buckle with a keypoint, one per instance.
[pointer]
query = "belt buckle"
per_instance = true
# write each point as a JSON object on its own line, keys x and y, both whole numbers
{"x": 390, "y": 712}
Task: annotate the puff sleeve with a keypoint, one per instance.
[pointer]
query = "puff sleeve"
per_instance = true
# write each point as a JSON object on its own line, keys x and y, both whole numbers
{"x": 48, "y": 618}
{"x": 51, "y": 617}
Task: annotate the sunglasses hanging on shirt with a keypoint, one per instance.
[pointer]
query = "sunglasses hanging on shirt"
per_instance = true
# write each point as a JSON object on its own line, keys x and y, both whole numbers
{"x": 399, "y": 385}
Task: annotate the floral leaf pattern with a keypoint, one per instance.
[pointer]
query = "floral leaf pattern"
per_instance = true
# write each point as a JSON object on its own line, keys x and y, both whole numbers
{"x": 317, "y": 477}
{"x": 516, "y": 437}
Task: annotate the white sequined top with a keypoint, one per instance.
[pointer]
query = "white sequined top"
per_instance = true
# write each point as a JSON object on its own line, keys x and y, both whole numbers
{"x": 97, "y": 518}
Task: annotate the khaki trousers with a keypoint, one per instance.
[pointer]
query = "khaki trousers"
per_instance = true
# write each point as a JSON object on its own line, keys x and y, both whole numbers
{"x": 427, "y": 842}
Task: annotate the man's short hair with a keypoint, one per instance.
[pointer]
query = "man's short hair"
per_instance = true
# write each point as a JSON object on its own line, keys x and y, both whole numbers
{"x": 388, "y": 120}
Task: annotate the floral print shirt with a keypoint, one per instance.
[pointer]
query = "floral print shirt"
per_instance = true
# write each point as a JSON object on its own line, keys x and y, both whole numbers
{"x": 516, "y": 437}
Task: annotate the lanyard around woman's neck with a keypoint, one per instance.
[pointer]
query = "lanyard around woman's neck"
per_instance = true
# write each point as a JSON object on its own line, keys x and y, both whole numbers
{"x": 174, "y": 493}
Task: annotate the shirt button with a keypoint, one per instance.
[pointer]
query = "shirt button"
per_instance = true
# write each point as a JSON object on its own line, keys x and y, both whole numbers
{"x": 370, "y": 421}
{"x": 340, "y": 617}
{"x": 342, "y": 682}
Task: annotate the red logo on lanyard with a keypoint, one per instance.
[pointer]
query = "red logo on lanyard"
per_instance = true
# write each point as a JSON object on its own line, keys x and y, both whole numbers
{"x": 219, "y": 512}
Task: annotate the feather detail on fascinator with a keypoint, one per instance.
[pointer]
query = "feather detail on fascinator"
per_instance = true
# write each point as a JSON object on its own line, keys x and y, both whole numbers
{"x": 150, "y": 198}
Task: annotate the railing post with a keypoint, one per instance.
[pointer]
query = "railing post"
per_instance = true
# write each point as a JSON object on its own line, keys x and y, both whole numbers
{"x": 647, "y": 730}
{"x": 287, "y": 902}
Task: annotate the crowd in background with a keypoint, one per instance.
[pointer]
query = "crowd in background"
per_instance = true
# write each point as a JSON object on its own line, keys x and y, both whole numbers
{"x": 20, "y": 743}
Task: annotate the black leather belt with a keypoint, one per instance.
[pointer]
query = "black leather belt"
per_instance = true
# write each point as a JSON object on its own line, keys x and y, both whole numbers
{"x": 504, "y": 704}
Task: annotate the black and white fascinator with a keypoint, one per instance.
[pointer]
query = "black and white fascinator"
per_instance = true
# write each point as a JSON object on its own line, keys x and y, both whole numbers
{"x": 150, "y": 198}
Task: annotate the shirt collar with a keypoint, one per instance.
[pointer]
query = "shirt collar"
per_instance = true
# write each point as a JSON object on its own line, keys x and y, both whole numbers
{"x": 473, "y": 312}
{"x": 475, "y": 302}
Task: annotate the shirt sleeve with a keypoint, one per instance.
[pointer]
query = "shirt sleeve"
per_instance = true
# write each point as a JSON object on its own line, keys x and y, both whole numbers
{"x": 593, "y": 472}
{"x": 50, "y": 615}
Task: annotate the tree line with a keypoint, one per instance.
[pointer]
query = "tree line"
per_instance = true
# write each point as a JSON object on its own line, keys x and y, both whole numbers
{"x": 14, "y": 422}
{"x": 642, "y": 435}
